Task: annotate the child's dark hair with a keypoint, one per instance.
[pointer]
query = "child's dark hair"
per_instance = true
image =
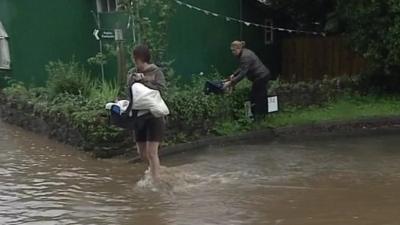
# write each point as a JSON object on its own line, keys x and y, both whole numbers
{"x": 142, "y": 52}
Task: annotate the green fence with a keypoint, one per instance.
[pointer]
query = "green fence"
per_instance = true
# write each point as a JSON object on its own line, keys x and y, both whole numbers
{"x": 45, "y": 30}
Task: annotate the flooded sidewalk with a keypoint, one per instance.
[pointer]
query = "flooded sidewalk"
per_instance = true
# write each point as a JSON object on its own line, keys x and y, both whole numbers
{"x": 345, "y": 181}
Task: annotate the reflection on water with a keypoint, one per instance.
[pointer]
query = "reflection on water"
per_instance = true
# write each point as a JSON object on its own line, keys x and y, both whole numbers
{"x": 342, "y": 182}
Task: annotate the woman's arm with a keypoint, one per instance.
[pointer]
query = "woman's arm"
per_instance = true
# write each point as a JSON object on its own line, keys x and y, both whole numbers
{"x": 155, "y": 81}
{"x": 241, "y": 73}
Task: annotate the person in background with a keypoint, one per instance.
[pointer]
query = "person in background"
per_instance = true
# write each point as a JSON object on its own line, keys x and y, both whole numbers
{"x": 151, "y": 131}
{"x": 250, "y": 66}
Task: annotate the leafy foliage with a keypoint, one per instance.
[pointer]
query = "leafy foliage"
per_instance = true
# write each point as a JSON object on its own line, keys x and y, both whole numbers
{"x": 193, "y": 114}
{"x": 148, "y": 20}
{"x": 153, "y": 27}
{"x": 373, "y": 27}
{"x": 304, "y": 14}
{"x": 68, "y": 78}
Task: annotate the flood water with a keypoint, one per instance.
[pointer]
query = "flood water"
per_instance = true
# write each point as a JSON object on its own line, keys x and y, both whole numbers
{"x": 345, "y": 181}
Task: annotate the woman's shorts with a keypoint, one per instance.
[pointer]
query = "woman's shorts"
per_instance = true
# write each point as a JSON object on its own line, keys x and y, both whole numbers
{"x": 152, "y": 130}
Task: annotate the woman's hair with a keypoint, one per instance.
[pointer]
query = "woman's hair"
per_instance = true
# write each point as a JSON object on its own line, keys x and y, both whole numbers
{"x": 142, "y": 52}
{"x": 238, "y": 44}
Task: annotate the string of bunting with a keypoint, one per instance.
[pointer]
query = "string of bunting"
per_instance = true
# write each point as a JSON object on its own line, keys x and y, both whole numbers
{"x": 247, "y": 23}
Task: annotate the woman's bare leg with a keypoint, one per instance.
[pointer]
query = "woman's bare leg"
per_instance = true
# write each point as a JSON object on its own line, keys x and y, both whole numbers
{"x": 154, "y": 161}
{"x": 142, "y": 151}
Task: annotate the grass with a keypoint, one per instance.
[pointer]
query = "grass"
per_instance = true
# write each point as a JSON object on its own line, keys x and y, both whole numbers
{"x": 344, "y": 109}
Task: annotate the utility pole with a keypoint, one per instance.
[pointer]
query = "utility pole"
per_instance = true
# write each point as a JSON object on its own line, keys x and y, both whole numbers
{"x": 98, "y": 24}
{"x": 121, "y": 59}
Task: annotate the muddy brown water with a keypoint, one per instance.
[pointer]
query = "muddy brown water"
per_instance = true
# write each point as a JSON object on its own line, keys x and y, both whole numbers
{"x": 346, "y": 181}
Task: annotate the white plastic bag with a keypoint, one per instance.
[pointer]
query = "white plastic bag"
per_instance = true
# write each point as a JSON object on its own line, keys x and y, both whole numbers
{"x": 5, "y": 61}
{"x": 145, "y": 98}
{"x": 122, "y": 104}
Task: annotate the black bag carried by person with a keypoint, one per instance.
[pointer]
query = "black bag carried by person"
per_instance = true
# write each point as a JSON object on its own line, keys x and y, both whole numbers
{"x": 214, "y": 87}
{"x": 122, "y": 120}
{"x": 126, "y": 119}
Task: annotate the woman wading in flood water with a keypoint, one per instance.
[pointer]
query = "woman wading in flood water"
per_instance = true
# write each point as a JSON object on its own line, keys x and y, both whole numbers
{"x": 151, "y": 130}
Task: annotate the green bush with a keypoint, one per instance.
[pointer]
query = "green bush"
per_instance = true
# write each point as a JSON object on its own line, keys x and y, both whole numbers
{"x": 194, "y": 113}
{"x": 79, "y": 102}
{"x": 16, "y": 91}
{"x": 83, "y": 110}
{"x": 68, "y": 78}
{"x": 104, "y": 91}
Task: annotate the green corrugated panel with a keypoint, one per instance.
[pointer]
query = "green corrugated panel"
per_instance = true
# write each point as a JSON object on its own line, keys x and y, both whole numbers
{"x": 197, "y": 41}
{"x": 46, "y": 30}
{"x": 51, "y": 30}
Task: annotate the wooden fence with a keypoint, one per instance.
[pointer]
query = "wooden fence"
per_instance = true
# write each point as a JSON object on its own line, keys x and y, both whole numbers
{"x": 313, "y": 58}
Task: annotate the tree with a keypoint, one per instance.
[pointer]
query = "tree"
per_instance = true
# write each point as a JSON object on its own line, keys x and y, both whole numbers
{"x": 149, "y": 20}
{"x": 148, "y": 24}
{"x": 305, "y": 14}
{"x": 373, "y": 29}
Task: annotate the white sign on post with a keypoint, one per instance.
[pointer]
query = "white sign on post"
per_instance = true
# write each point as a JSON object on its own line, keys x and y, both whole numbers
{"x": 273, "y": 106}
{"x": 5, "y": 61}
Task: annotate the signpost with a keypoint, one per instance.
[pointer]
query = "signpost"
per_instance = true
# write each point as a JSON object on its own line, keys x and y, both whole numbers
{"x": 103, "y": 34}
{"x": 96, "y": 17}
{"x": 119, "y": 40}
{"x": 117, "y": 36}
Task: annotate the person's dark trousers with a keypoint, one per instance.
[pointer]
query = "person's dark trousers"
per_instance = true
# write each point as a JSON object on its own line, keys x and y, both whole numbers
{"x": 258, "y": 99}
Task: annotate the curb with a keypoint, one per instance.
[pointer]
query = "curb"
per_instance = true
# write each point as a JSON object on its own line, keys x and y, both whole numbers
{"x": 265, "y": 135}
{"x": 367, "y": 126}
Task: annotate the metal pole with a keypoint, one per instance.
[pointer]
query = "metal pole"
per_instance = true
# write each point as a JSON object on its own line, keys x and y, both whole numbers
{"x": 133, "y": 30}
{"x": 119, "y": 39}
{"x": 137, "y": 15}
{"x": 241, "y": 17}
{"x": 97, "y": 20}
{"x": 133, "y": 23}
